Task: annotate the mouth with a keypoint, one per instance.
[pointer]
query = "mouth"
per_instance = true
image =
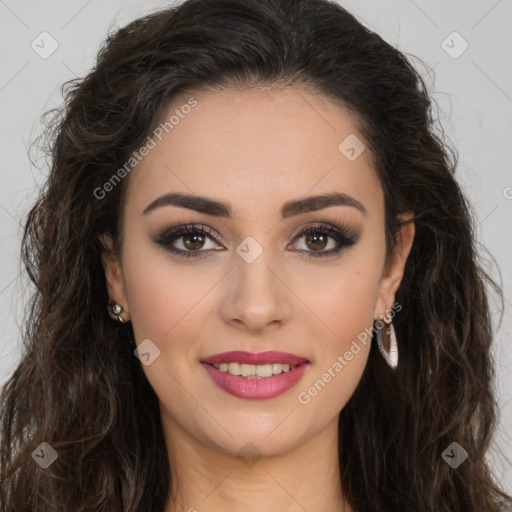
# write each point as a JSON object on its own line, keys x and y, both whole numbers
{"x": 255, "y": 375}
{"x": 253, "y": 371}
{"x": 257, "y": 359}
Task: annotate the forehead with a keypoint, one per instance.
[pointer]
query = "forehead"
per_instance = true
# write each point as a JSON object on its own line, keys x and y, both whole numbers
{"x": 256, "y": 149}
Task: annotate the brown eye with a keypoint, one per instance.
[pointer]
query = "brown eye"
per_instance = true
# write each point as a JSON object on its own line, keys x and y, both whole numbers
{"x": 192, "y": 239}
{"x": 316, "y": 239}
{"x": 194, "y": 242}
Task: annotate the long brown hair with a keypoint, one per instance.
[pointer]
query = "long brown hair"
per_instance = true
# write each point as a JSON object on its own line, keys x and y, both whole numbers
{"x": 78, "y": 386}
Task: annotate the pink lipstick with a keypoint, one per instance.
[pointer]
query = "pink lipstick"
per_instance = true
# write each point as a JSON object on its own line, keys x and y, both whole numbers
{"x": 255, "y": 375}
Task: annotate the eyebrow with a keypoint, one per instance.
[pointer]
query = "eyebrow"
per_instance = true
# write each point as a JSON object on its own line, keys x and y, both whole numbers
{"x": 215, "y": 208}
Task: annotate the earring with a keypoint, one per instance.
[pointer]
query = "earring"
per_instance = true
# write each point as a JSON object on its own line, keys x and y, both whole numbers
{"x": 115, "y": 310}
{"x": 389, "y": 348}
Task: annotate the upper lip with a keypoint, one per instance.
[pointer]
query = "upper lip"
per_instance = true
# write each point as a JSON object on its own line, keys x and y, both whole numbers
{"x": 269, "y": 357}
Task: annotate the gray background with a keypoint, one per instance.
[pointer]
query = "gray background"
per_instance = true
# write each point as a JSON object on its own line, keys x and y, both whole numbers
{"x": 473, "y": 91}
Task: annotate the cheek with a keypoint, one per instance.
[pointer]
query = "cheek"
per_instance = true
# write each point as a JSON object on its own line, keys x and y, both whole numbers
{"x": 346, "y": 307}
{"x": 347, "y": 298}
{"x": 163, "y": 299}
{"x": 157, "y": 292}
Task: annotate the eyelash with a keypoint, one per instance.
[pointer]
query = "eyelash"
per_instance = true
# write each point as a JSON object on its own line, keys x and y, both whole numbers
{"x": 342, "y": 236}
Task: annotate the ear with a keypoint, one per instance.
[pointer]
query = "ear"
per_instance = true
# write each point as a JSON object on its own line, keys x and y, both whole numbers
{"x": 394, "y": 272}
{"x": 114, "y": 275}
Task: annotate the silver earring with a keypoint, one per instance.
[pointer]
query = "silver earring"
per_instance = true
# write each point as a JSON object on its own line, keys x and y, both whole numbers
{"x": 116, "y": 310}
{"x": 389, "y": 348}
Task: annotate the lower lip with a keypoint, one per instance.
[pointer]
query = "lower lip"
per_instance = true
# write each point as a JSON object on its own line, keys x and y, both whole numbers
{"x": 268, "y": 387}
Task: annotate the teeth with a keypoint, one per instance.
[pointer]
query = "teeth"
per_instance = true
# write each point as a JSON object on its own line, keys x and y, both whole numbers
{"x": 254, "y": 370}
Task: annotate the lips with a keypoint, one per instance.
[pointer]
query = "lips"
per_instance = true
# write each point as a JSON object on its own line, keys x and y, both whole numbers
{"x": 255, "y": 388}
{"x": 255, "y": 358}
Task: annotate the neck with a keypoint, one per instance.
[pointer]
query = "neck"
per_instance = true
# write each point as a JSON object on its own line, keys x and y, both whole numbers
{"x": 206, "y": 478}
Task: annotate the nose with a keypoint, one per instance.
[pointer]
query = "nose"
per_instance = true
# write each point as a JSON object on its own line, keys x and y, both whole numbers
{"x": 257, "y": 297}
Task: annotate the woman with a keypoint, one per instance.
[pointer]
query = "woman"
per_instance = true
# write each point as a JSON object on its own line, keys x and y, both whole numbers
{"x": 257, "y": 283}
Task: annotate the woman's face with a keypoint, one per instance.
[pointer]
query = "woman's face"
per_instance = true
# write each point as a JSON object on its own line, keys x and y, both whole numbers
{"x": 244, "y": 278}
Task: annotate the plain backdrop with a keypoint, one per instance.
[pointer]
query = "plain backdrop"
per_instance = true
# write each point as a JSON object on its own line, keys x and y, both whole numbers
{"x": 464, "y": 47}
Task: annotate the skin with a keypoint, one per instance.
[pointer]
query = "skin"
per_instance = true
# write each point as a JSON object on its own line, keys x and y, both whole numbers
{"x": 255, "y": 150}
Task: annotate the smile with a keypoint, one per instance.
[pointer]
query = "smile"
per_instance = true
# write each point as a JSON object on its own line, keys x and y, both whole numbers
{"x": 259, "y": 371}
{"x": 255, "y": 375}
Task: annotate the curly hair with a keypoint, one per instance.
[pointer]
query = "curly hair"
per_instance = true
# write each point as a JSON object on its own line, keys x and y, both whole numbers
{"x": 78, "y": 386}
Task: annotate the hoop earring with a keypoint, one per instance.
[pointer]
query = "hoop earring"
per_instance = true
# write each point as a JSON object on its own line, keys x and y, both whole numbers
{"x": 116, "y": 310}
{"x": 389, "y": 347}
